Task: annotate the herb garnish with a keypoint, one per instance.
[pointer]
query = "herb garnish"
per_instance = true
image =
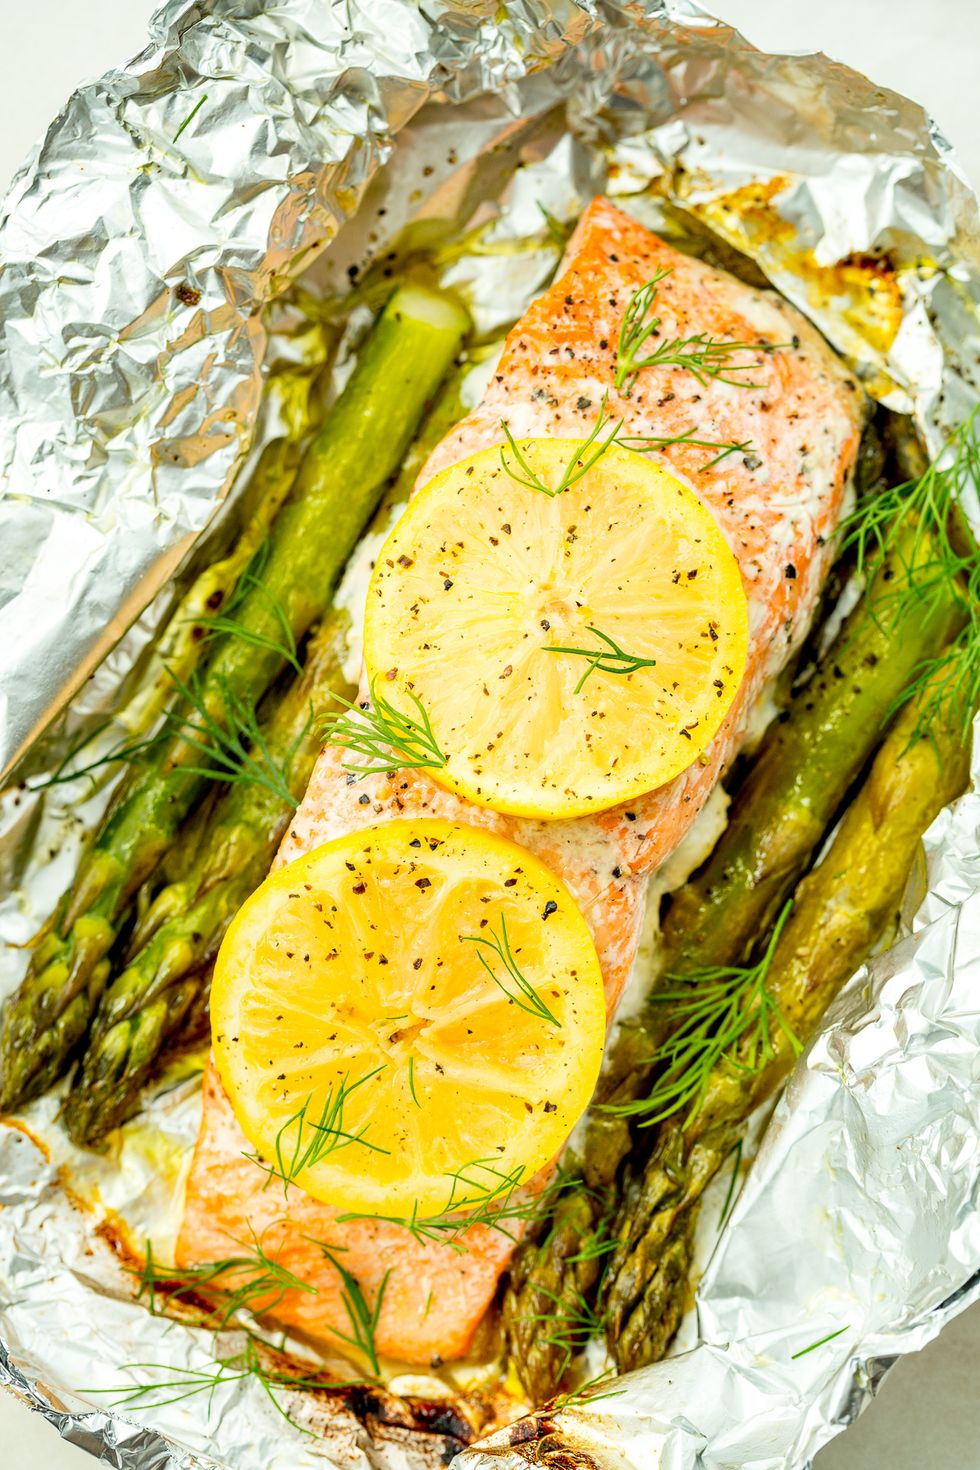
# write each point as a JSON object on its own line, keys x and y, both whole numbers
{"x": 719, "y": 1009}
{"x": 941, "y": 552}
{"x": 725, "y": 447}
{"x": 523, "y": 994}
{"x": 233, "y": 1367}
{"x": 191, "y": 115}
{"x": 362, "y": 1318}
{"x": 580, "y": 461}
{"x": 241, "y": 1281}
{"x": 216, "y": 624}
{"x": 572, "y": 1325}
{"x": 609, "y": 660}
{"x": 236, "y": 751}
{"x": 733, "y": 1181}
{"x": 387, "y": 737}
{"x": 302, "y": 1141}
{"x": 703, "y": 356}
{"x": 480, "y": 1193}
{"x": 814, "y": 1345}
{"x": 586, "y": 1393}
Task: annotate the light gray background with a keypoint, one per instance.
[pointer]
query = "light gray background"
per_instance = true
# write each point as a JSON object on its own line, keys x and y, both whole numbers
{"x": 929, "y": 1410}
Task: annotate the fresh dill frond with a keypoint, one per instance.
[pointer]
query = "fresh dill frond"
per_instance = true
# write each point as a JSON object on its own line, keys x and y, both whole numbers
{"x": 580, "y": 461}
{"x": 723, "y": 1012}
{"x": 557, "y": 233}
{"x": 227, "y": 1369}
{"x": 303, "y": 1141}
{"x": 609, "y": 660}
{"x": 516, "y": 986}
{"x": 725, "y": 447}
{"x": 571, "y": 1326}
{"x": 191, "y": 115}
{"x": 411, "y": 1082}
{"x": 733, "y": 1181}
{"x": 703, "y": 356}
{"x": 819, "y": 1343}
{"x": 234, "y": 751}
{"x": 223, "y": 623}
{"x": 362, "y": 1318}
{"x": 386, "y": 737}
{"x": 127, "y": 752}
{"x": 599, "y": 1387}
{"x": 241, "y": 1282}
{"x": 920, "y": 523}
{"x": 480, "y": 1193}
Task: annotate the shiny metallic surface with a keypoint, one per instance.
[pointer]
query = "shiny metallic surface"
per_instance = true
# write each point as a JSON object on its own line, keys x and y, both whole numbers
{"x": 252, "y": 142}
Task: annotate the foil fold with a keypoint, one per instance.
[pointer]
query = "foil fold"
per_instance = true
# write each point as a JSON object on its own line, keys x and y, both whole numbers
{"x": 168, "y": 205}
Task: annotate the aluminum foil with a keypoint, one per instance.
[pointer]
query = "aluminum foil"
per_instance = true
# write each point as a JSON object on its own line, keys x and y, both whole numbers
{"x": 168, "y": 204}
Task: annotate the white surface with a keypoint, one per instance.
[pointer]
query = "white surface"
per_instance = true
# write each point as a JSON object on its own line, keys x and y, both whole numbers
{"x": 929, "y": 1410}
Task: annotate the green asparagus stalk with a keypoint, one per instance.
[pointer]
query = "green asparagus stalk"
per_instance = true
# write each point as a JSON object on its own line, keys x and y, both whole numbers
{"x": 838, "y": 912}
{"x": 146, "y": 1005}
{"x": 289, "y": 398}
{"x": 807, "y": 764}
{"x": 166, "y": 972}
{"x": 340, "y": 480}
{"x": 809, "y": 761}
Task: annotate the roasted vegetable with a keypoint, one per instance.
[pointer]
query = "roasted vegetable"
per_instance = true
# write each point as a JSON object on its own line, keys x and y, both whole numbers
{"x": 360, "y": 446}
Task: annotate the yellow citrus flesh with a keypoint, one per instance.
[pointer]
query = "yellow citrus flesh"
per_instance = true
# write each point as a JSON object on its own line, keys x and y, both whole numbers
{"x": 481, "y": 574}
{"x": 351, "y": 973}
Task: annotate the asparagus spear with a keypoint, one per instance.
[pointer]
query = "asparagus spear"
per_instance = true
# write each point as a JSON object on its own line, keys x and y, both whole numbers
{"x": 146, "y": 1005}
{"x": 290, "y": 397}
{"x": 838, "y": 912}
{"x": 808, "y": 763}
{"x": 359, "y": 447}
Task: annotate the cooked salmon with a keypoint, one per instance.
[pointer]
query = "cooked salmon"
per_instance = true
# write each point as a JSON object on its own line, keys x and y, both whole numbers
{"x": 777, "y": 500}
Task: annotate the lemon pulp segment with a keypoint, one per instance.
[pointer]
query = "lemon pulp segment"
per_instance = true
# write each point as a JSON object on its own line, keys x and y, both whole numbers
{"x": 352, "y": 973}
{"x": 483, "y": 577}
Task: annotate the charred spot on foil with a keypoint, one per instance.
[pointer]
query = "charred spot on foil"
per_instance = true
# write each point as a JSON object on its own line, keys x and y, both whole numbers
{"x": 187, "y": 295}
{"x": 536, "y": 1440}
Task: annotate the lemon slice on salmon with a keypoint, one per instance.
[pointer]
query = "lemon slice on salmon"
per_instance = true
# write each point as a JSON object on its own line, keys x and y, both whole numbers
{"x": 569, "y": 650}
{"x": 407, "y": 1015}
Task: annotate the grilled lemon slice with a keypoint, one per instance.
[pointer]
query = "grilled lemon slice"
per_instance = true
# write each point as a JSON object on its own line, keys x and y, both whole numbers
{"x": 409, "y": 1018}
{"x": 569, "y": 650}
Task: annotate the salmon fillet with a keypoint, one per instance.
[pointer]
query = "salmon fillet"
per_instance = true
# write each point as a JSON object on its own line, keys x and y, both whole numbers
{"x": 777, "y": 503}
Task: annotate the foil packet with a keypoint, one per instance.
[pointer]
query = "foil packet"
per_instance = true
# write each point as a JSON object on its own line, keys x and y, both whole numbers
{"x": 142, "y": 245}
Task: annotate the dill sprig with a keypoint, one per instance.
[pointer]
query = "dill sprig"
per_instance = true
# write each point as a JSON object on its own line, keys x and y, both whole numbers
{"x": 520, "y": 990}
{"x": 303, "y": 1141}
{"x": 725, "y": 447}
{"x": 191, "y": 116}
{"x": 223, "y": 623}
{"x": 127, "y": 752}
{"x": 818, "y": 1344}
{"x": 386, "y": 737}
{"x": 921, "y": 524}
{"x": 557, "y": 233}
{"x": 227, "y": 1369}
{"x": 480, "y": 1193}
{"x": 732, "y": 1183}
{"x": 411, "y": 1082}
{"x": 609, "y": 660}
{"x": 241, "y": 1281}
{"x": 580, "y": 461}
{"x": 362, "y": 1318}
{"x": 599, "y": 1387}
{"x": 571, "y": 1326}
{"x": 720, "y": 1011}
{"x": 234, "y": 751}
{"x": 703, "y": 356}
